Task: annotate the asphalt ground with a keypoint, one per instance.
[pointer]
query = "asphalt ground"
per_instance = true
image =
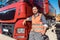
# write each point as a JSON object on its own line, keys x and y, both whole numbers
{"x": 4, "y": 37}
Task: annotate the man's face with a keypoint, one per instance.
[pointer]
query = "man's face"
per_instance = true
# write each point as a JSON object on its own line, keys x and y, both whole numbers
{"x": 35, "y": 10}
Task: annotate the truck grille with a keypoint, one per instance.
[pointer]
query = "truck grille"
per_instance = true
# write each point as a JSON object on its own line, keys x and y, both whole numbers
{"x": 8, "y": 29}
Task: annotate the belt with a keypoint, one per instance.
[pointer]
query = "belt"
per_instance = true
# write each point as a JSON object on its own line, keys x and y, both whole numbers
{"x": 37, "y": 29}
{"x": 37, "y": 24}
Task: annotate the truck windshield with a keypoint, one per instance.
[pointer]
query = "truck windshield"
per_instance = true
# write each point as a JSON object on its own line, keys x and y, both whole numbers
{"x": 38, "y": 3}
{"x": 8, "y": 14}
{"x": 7, "y": 2}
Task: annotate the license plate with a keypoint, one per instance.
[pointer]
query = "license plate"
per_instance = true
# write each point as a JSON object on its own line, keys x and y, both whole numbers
{"x": 5, "y": 30}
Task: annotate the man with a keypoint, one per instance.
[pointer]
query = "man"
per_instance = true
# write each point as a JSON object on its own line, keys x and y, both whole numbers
{"x": 39, "y": 25}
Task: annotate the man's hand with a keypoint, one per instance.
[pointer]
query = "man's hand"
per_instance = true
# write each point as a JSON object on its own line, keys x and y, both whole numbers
{"x": 43, "y": 32}
{"x": 45, "y": 27}
{"x": 24, "y": 22}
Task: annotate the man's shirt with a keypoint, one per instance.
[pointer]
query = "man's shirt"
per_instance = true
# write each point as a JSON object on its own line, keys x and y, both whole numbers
{"x": 43, "y": 19}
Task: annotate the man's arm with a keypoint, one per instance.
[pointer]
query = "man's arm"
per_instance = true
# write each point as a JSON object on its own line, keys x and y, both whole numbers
{"x": 44, "y": 24}
{"x": 27, "y": 19}
{"x": 44, "y": 21}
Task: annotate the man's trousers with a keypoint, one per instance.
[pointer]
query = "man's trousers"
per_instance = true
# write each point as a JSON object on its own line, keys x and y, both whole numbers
{"x": 35, "y": 36}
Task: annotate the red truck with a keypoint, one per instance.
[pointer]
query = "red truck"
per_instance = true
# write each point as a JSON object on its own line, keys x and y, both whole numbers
{"x": 13, "y": 14}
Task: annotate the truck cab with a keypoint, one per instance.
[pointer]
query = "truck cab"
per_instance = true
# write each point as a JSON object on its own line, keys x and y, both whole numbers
{"x": 12, "y": 17}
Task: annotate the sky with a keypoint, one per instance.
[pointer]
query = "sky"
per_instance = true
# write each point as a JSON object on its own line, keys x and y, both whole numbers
{"x": 54, "y": 3}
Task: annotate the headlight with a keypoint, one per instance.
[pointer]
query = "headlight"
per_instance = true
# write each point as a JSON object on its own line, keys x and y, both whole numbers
{"x": 21, "y": 30}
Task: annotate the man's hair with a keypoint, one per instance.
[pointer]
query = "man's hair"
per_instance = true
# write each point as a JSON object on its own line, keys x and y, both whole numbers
{"x": 35, "y": 6}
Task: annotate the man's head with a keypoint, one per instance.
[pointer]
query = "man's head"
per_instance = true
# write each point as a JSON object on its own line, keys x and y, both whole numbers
{"x": 34, "y": 9}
